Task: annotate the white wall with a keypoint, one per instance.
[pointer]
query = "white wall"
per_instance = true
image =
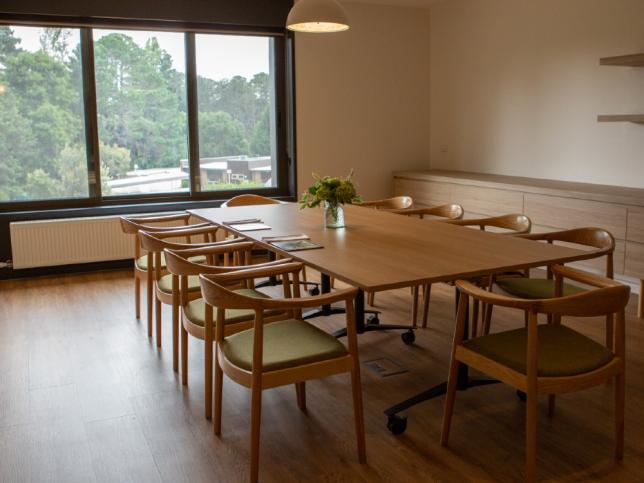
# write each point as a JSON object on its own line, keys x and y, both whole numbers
{"x": 362, "y": 97}
{"x": 516, "y": 88}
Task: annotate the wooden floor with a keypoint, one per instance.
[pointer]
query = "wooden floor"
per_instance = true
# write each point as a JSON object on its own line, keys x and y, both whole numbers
{"x": 85, "y": 396}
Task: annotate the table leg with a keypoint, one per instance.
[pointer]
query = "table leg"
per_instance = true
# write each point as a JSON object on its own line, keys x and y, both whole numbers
{"x": 325, "y": 310}
{"x": 398, "y": 424}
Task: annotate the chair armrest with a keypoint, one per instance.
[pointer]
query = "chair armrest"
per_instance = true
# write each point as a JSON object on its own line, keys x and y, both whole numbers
{"x": 259, "y": 272}
{"x": 492, "y": 298}
{"x": 214, "y": 248}
{"x": 584, "y": 277}
{"x": 346, "y": 294}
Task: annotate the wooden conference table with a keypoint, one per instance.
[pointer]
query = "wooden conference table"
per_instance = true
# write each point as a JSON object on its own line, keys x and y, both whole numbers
{"x": 378, "y": 251}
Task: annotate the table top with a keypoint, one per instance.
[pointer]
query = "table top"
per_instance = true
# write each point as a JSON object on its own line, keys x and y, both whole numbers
{"x": 378, "y": 250}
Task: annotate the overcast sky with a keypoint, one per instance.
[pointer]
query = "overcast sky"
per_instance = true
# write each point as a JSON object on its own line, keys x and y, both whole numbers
{"x": 218, "y": 56}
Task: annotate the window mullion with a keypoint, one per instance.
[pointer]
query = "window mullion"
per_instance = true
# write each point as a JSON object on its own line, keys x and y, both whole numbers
{"x": 91, "y": 116}
{"x": 192, "y": 108}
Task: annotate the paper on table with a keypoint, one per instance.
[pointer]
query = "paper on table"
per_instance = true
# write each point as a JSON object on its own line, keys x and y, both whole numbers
{"x": 250, "y": 227}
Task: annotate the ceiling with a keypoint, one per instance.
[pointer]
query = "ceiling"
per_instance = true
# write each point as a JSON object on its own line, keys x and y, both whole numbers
{"x": 405, "y": 3}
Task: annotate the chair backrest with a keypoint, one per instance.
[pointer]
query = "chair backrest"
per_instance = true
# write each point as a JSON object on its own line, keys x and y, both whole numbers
{"x": 450, "y": 211}
{"x": 608, "y": 297}
{"x": 249, "y": 199}
{"x": 598, "y": 238}
{"x": 395, "y": 203}
{"x": 132, "y": 225}
{"x": 179, "y": 261}
{"x": 515, "y": 223}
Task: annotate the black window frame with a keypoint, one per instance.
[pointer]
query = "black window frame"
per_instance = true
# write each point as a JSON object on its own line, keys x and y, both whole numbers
{"x": 95, "y": 204}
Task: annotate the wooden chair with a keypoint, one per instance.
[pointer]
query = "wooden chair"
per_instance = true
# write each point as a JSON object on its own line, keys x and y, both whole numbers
{"x": 131, "y": 226}
{"x": 281, "y": 353}
{"x": 249, "y": 199}
{"x": 545, "y": 359}
{"x": 193, "y": 310}
{"x": 159, "y": 282}
{"x": 395, "y": 203}
{"x": 525, "y": 287}
{"x": 514, "y": 224}
{"x": 450, "y": 211}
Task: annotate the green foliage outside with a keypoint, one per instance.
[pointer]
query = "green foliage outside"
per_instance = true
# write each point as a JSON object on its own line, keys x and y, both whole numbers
{"x": 142, "y": 117}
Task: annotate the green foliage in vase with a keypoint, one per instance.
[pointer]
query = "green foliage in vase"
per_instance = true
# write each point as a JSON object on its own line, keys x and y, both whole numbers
{"x": 334, "y": 191}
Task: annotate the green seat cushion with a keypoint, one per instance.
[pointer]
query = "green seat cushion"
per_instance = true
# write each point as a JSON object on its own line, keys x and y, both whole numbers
{"x": 165, "y": 283}
{"x": 562, "y": 351}
{"x": 535, "y": 288}
{"x": 195, "y": 311}
{"x": 287, "y": 343}
{"x": 142, "y": 262}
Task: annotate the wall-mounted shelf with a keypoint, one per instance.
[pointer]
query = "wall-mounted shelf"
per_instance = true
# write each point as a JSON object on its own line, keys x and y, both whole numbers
{"x": 638, "y": 118}
{"x": 633, "y": 60}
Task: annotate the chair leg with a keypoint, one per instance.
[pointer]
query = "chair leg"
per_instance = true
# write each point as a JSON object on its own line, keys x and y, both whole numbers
{"x": 184, "y": 355}
{"x": 475, "y": 318}
{"x": 358, "y": 413}
{"x": 371, "y": 298}
{"x": 300, "y": 391}
{"x": 137, "y": 296}
{"x": 157, "y": 307}
{"x": 551, "y": 405}
{"x": 414, "y": 306}
{"x": 427, "y": 291}
{"x": 175, "y": 337}
{"x": 255, "y": 422}
{"x": 304, "y": 278}
{"x": 208, "y": 349}
{"x": 609, "y": 331}
{"x": 450, "y": 397}
{"x": 531, "y": 436}
{"x": 149, "y": 291}
{"x": 619, "y": 416}
{"x": 219, "y": 383}
{"x": 487, "y": 319}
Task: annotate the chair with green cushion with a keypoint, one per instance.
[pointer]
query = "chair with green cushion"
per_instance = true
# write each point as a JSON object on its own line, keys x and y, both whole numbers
{"x": 545, "y": 359}
{"x": 131, "y": 226}
{"x": 290, "y": 351}
{"x": 189, "y": 308}
{"x": 600, "y": 241}
{"x": 158, "y": 280}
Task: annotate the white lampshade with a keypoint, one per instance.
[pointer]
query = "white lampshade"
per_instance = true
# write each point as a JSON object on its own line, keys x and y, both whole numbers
{"x": 317, "y": 16}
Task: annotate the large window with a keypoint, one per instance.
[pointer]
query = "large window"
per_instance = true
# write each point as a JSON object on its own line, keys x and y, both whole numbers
{"x": 236, "y": 87}
{"x": 106, "y": 116}
{"x": 141, "y": 101}
{"x": 42, "y": 136}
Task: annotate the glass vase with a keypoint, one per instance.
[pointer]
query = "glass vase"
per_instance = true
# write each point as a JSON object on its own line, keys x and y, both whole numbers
{"x": 333, "y": 215}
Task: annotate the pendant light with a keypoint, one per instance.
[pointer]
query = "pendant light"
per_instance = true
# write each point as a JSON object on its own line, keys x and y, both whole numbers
{"x": 317, "y": 16}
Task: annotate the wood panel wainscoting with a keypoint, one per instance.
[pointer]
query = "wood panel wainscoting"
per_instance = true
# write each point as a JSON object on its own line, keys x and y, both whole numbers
{"x": 552, "y": 205}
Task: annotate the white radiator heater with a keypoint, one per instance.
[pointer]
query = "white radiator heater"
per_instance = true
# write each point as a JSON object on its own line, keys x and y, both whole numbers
{"x": 46, "y": 243}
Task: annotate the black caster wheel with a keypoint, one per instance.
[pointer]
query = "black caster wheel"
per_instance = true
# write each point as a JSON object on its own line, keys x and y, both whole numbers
{"x": 397, "y": 424}
{"x": 408, "y": 337}
{"x": 314, "y": 291}
{"x": 522, "y": 396}
{"x": 374, "y": 320}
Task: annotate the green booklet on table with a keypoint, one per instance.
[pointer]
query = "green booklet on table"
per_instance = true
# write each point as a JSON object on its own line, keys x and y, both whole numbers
{"x": 292, "y": 243}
